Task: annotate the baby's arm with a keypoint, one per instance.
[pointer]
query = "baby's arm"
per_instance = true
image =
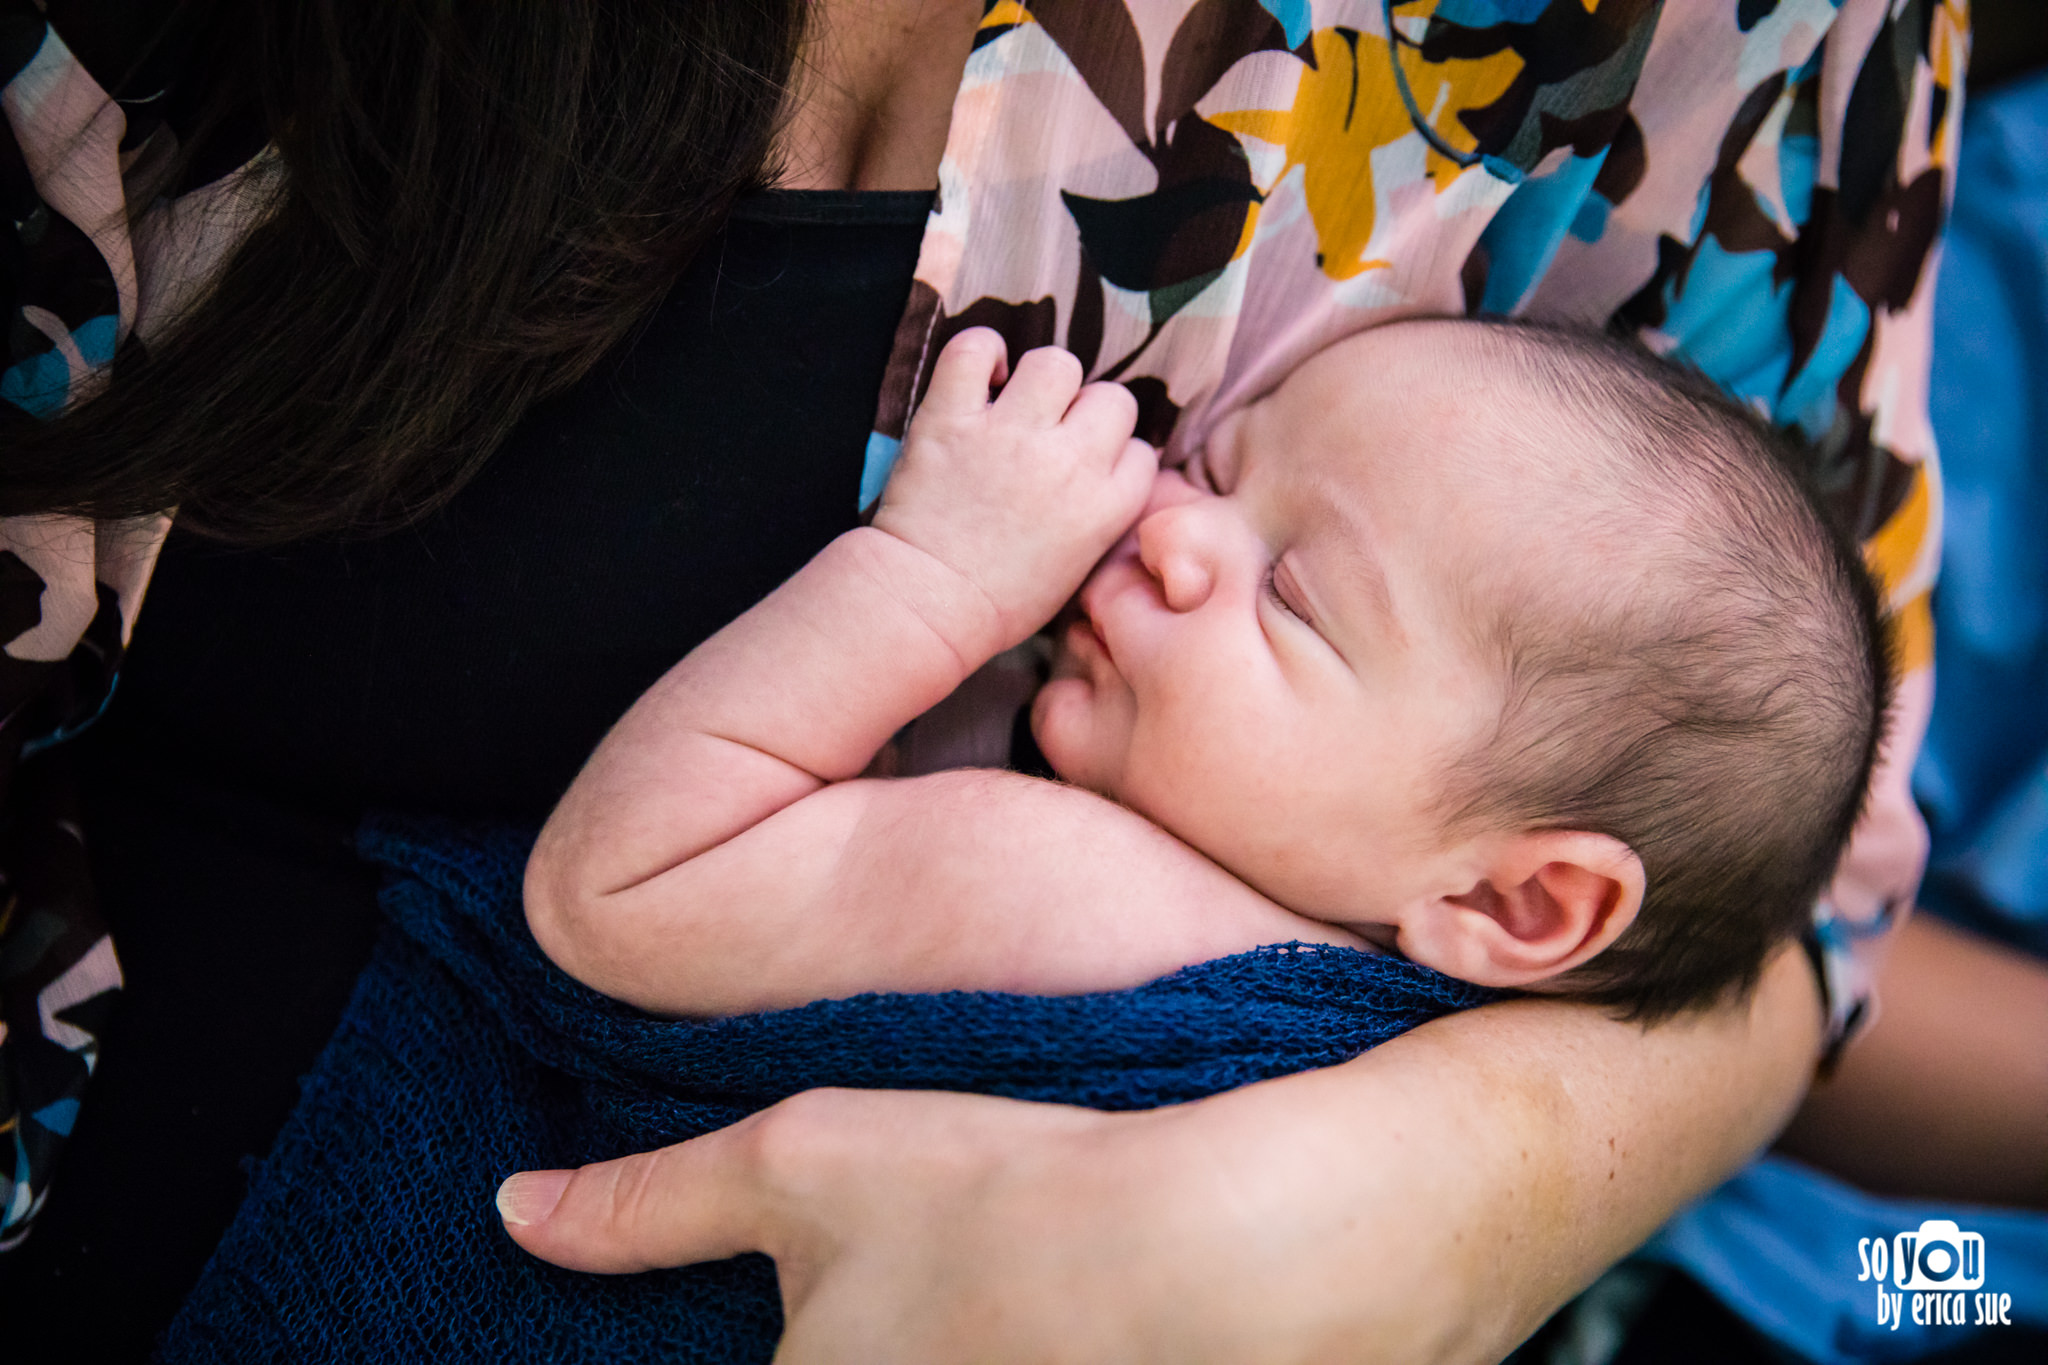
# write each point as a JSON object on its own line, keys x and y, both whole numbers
{"x": 715, "y": 854}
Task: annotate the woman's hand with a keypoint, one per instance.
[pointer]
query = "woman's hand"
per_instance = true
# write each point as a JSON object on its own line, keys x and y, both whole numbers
{"x": 1432, "y": 1201}
{"x": 939, "y": 1227}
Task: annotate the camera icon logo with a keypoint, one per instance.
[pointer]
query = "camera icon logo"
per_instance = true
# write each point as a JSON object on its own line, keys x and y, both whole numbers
{"x": 1939, "y": 1256}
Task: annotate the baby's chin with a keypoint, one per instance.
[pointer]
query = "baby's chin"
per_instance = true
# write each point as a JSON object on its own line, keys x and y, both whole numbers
{"x": 1063, "y": 726}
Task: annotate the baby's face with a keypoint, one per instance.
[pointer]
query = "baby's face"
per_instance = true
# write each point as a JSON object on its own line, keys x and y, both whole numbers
{"x": 1276, "y": 664}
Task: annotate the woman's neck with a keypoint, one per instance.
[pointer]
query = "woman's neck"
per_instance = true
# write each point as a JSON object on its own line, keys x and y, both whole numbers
{"x": 872, "y": 94}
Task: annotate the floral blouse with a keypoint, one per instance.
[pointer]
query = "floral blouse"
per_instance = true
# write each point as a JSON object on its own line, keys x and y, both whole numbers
{"x": 1191, "y": 196}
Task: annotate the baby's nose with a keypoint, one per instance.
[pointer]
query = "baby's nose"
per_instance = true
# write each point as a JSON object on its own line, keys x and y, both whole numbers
{"x": 1170, "y": 546}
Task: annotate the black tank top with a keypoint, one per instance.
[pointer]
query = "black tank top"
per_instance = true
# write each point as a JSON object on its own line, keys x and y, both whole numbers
{"x": 466, "y": 666}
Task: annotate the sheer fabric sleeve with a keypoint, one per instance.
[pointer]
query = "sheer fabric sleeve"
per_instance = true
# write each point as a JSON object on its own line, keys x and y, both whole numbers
{"x": 69, "y": 588}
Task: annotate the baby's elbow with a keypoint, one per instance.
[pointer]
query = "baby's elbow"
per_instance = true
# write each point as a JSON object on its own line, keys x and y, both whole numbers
{"x": 568, "y": 918}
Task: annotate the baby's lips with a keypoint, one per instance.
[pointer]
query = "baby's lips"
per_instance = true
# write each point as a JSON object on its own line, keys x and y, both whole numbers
{"x": 1089, "y": 636}
{"x": 1079, "y": 647}
{"x": 1078, "y": 641}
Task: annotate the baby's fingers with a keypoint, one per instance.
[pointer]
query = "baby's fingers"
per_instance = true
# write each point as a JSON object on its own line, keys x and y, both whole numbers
{"x": 971, "y": 364}
{"x": 1041, "y": 387}
{"x": 1137, "y": 467}
{"x": 1103, "y": 417}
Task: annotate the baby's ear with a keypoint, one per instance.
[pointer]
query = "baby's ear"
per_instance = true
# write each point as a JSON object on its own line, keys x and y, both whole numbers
{"x": 1543, "y": 902}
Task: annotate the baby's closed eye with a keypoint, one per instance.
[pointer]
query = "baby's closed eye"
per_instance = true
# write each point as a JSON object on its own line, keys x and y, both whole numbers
{"x": 1283, "y": 593}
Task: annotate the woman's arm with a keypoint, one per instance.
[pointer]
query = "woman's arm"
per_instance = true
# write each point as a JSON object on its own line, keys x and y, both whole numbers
{"x": 1432, "y": 1201}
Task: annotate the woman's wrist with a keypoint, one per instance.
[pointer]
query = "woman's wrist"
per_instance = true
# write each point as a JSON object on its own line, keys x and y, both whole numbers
{"x": 1510, "y": 1155}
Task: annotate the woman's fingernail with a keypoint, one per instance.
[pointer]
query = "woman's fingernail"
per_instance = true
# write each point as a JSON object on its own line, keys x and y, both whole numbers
{"x": 531, "y": 1196}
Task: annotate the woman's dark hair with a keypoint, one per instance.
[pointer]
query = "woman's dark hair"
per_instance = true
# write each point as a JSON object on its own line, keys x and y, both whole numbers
{"x": 477, "y": 201}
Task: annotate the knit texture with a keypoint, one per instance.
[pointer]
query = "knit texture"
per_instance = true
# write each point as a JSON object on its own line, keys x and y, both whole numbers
{"x": 465, "y": 1055}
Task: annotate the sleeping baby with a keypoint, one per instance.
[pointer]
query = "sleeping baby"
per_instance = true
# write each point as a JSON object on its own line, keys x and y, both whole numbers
{"x": 1514, "y": 650}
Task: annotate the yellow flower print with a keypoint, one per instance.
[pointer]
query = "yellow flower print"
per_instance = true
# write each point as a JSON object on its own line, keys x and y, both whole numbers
{"x": 1348, "y": 106}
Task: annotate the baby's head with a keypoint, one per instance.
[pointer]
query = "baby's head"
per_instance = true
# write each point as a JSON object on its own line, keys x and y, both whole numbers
{"x": 1516, "y": 648}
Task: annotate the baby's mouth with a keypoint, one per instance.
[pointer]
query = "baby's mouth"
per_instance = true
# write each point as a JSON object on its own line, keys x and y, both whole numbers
{"x": 1077, "y": 640}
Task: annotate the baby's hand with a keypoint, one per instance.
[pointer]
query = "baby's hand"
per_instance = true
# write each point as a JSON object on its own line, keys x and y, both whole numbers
{"x": 1022, "y": 495}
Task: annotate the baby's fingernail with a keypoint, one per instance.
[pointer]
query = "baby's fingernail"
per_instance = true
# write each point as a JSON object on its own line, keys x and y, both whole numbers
{"x": 531, "y": 1196}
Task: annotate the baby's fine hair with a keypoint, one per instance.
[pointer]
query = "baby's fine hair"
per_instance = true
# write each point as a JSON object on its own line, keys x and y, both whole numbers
{"x": 1717, "y": 703}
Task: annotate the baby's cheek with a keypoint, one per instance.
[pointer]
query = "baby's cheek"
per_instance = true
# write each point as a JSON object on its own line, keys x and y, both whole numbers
{"x": 1215, "y": 779}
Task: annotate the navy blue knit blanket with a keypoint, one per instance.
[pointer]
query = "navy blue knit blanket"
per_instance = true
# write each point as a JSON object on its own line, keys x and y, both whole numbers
{"x": 465, "y": 1055}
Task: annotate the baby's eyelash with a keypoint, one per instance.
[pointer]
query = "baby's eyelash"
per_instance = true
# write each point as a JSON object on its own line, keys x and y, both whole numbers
{"x": 1272, "y": 591}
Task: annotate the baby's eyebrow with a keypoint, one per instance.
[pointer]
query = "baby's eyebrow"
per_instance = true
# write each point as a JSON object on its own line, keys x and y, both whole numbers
{"x": 1352, "y": 540}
